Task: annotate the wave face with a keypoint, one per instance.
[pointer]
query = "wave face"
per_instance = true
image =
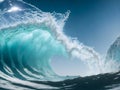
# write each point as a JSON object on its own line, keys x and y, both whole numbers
{"x": 27, "y": 44}
{"x": 30, "y": 38}
{"x": 114, "y": 50}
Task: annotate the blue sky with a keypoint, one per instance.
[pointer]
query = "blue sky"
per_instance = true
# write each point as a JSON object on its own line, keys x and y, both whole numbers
{"x": 96, "y": 23}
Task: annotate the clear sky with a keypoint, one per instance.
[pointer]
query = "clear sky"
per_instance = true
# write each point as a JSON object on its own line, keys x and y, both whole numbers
{"x": 96, "y": 23}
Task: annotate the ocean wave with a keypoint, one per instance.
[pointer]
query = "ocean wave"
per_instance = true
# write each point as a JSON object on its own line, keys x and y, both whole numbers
{"x": 29, "y": 38}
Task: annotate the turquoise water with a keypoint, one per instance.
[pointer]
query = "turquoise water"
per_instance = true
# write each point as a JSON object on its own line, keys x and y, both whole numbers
{"x": 27, "y": 48}
{"x": 30, "y": 38}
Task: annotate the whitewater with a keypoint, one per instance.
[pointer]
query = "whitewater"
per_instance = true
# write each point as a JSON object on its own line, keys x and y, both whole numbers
{"x": 30, "y": 38}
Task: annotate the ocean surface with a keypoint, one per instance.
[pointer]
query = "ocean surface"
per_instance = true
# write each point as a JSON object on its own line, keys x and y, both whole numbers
{"x": 30, "y": 38}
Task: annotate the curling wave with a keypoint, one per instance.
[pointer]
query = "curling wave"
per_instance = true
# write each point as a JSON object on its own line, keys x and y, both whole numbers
{"x": 29, "y": 38}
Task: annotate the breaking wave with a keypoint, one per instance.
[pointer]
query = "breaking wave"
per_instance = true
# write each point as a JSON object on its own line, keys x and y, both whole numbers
{"x": 30, "y": 38}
